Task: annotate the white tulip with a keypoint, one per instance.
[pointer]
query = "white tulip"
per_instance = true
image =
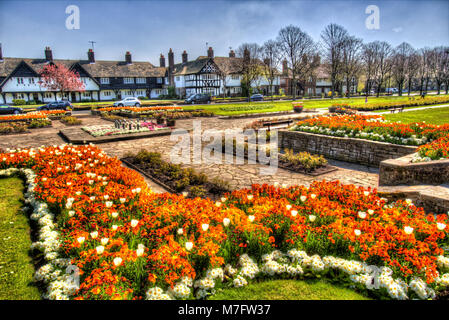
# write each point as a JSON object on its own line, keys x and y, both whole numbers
{"x": 408, "y": 230}
{"x": 189, "y": 246}
{"x": 134, "y": 223}
{"x": 313, "y": 196}
{"x": 140, "y": 252}
{"x": 250, "y": 197}
{"x": 312, "y": 218}
{"x": 114, "y": 214}
{"x": 94, "y": 234}
{"x": 288, "y": 207}
{"x": 180, "y": 231}
{"x": 441, "y": 226}
{"x": 303, "y": 198}
{"x": 251, "y": 218}
{"x": 117, "y": 261}
{"x": 357, "y": 232}
{"x": 226, "y": 222}
{"x": 100, "y": 249}
{"x": 223, "y": 199}
{"x": 371, "y": 211}
{"x": 294, "y": 213}
{"x": 104, "y": 241}
{"x": 205, "y": 226}
{"x": 81, "y": 240}
{"x": 362, "y": 215}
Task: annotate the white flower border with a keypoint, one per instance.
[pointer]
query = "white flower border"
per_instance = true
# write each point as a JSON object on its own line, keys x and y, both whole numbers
{"x": 293, "y": 263}
{"x": 61, "y": 285}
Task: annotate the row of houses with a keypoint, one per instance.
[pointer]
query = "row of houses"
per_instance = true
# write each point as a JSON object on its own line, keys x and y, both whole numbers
{"x": 111, "y": 80}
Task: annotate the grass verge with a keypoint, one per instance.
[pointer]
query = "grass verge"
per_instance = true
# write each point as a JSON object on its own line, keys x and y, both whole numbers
{"x": 289, "y": 290}
{"x": 16, "y": 265}
{"x": 433, "y": 116}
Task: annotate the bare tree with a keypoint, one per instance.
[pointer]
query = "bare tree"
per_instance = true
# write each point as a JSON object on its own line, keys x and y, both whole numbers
{"x": 424, "y": 73}
{"x": 438, "y": 60}
{"x": 351, "y": 62}
{"x": 271, "y": 55}
{"x": 369, "y": 54}
{"x": 333, "y": 40}
{"x": 412, "y": 69}
{"x": 383, "y": 63}
{"x": 249, "y": 54}
{"x": 300, "y": 52}
{"x": 400, "y": 62}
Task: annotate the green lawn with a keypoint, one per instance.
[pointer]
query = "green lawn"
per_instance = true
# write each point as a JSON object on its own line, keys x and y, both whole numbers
{"x": 16, "y": 267}
{"x": 289, "y": 290}
{"x": 434, "y": 116}
{"x": 219, "y": 109}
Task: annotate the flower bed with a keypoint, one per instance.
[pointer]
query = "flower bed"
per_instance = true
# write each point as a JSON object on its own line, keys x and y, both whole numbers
{"x": 373, "y": 127}
{"x": 71, "y": 121}
{"x": 412, "y": 102}
{"x": 25, "y": 117}
{"x": 139, "y": 109}
{"x": 175, "y": 178}
{"x": 130, "y": 243}
{"x": 108, "y": 130}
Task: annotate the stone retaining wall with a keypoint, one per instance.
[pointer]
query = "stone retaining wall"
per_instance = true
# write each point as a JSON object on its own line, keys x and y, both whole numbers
{"x": 361, "y": 151}
{"x": 399, "y": 171}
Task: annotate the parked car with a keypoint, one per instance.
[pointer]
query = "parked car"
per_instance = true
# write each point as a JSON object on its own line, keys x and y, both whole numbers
{"x": 128, "y": 102}
{"x": 57, "y": 105}
{"x": 198, "y": 98}
{"x": 391, "y": 90}
{"x": 256, "y": 97}
{"x": 7, "y": 109}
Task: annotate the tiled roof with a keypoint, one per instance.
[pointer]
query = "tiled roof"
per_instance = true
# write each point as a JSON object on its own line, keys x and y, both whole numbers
{"x": 98, "y": 69}
{"x": 190, "y": 67}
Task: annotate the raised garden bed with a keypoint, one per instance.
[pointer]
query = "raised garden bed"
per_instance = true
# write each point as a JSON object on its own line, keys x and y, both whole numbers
{"x": 173, "y": 178}
{"x": 76, "y": 135}
{"x": 321, "y": 166}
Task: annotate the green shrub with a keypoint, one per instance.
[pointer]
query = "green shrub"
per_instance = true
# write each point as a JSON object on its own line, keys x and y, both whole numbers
{"x": 12, "y": 127}
{"x": 71, "y": 121}
{"x": 197, "y": 191}
{"x": 39, "y": 124}
{"x": 18, "y": 102}
{"x": 304, "y": 159}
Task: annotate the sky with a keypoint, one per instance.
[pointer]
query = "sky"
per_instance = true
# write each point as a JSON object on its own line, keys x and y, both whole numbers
{"x": 148, "y": 28}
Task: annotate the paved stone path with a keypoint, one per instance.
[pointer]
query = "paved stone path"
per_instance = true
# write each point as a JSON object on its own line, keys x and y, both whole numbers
{"x": 239, "y": 176}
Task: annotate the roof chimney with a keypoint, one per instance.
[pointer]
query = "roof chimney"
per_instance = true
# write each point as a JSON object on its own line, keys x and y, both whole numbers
{"x": 210, "y": 53}
{"x": 1, "y": 55}
{"x": 128, "y": 57}
{"x": 231, "y": 54}
{"x": 162, "y": 61}
{"x": 184, "y": 57}
{"x": 171, "y": 59}
{"x": 91, "y": 56}
{"x": 48, "y": 54}
{"x": 284, "y": 67}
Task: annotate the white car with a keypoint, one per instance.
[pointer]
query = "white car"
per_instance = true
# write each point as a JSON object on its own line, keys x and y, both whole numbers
{"x": 128, "y": 102}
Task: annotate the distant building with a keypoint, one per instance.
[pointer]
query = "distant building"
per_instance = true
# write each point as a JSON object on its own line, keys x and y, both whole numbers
{"x": 104, "y": 80}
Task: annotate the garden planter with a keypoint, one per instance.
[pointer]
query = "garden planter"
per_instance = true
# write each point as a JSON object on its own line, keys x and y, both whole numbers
{"x": 171, "y": 122}
{"x": 298, "y": 109}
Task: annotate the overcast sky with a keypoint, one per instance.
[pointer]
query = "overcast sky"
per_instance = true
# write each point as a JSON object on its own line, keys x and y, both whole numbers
{"x": 148, "y": 28}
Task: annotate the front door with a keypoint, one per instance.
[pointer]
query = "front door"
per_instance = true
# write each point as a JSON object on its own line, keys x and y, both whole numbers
{"x": 73, "y": 97}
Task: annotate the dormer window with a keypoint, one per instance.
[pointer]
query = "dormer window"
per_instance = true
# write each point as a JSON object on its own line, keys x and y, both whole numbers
{"x": 31, "y": 80}
{"x": 19, "y": 80}
{"x": 104, "y": 80}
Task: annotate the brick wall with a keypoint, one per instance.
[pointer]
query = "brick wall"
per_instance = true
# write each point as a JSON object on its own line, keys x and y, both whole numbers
{"x": 361, "y": 151}
{"x": 399, "y": 171}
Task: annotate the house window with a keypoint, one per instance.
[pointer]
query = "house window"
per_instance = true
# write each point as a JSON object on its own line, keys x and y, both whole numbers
{"x": 141, "y": 80}
{"x": 48, "y": 95}
{"x": 235, "y": 77}
{"x": 159, "y": 80}
{"x": 178, "y": 78}
{"x": 19, "y": 96}
{"x": 19, "y": 80}
{"x": 128, "y": 80}
{"x": 86, "y": 94}
{"x": 104, "y": 80}
{"x": 107, "y": 93}
{"x": 31, "y": 80}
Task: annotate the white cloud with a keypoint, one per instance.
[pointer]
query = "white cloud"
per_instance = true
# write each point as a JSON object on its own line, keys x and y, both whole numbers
{"x": 397, "y": 29}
